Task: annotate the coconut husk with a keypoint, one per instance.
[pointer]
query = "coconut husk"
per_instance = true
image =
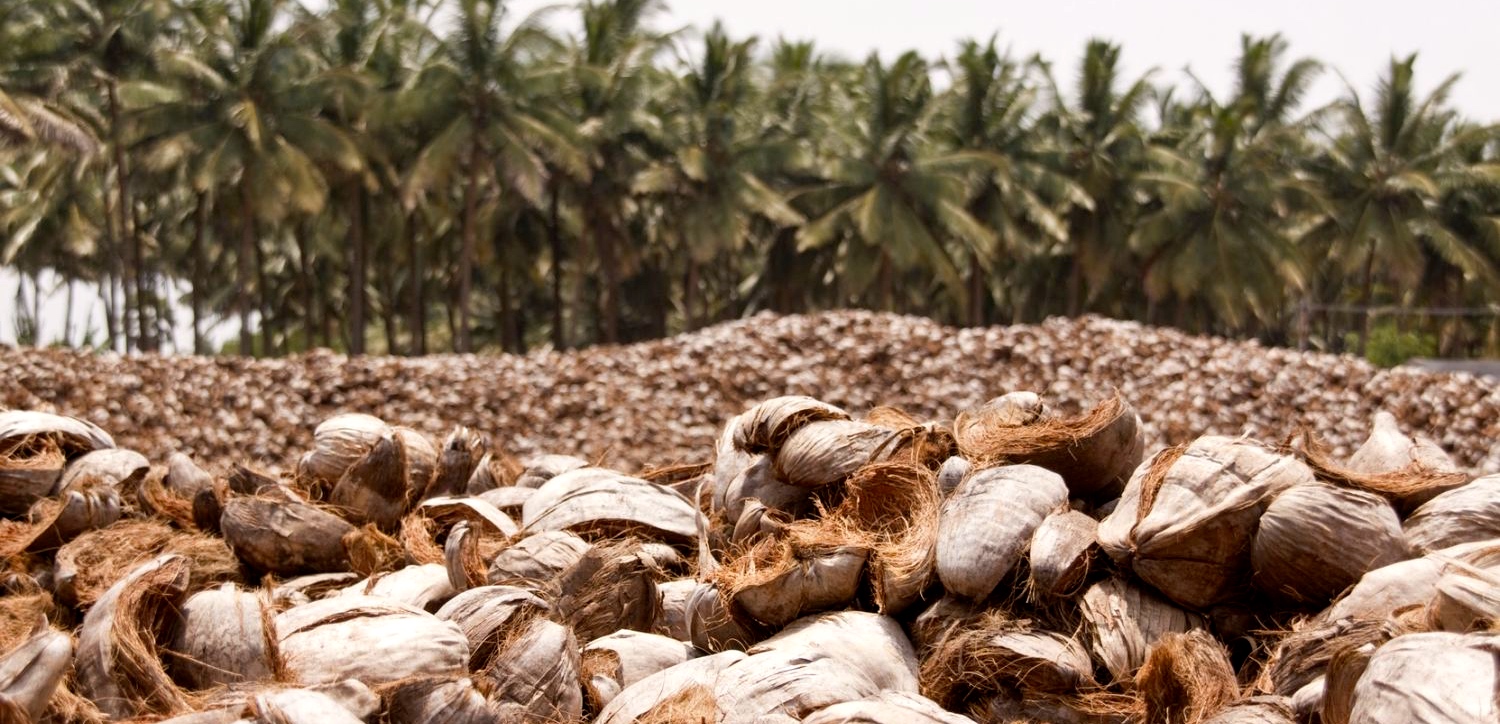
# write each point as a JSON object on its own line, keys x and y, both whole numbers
{"x": 463, "y": 451}
{"x": 681, "y": 693}
{"x": 1407, "y": 486}
{"x": 1095, "y": 706}
{"x": 184, "y": 478}
{"x": 494, "y": 470}
{"x": 118, "y": 468}
{"x": 671, "y": 475}
{"x": 537, "y": 558}
{"x": 298, "y": 706}
{"x": 813, "y": 568}
{"x": 1303, "y": 655}
{"x": 29, "y": 473}
{"x": 224, "y": 636}
{"x": 436, "y": 700}
{"x": 672, "y": 621}
{"x": 462, "y": 561}
{"x": 1467, "y": 599}
{"x": 118, "y": 665}
{"x": 870, "y": 643}
{"x": 425, "y": 587}
{"x": 303, "y": 589}
{"x": 1462, "y": 515}
{"x": 1388, "y": 449}
{"x": 1256, "y": 710}
{"x": 1346, "y": 665}
{"x": 1123, "y": 620}
{"x": 953, "y": 471}
{"x": 508, "y": 499}
{"x": 710, "y": 625}
{"x": 756, "y": 523}
{"x": 1063, "y": 549}
{"x": 93, "y": 562}
{"x": 535, "y": 674}
{"x": 157, "y": 499}
{"x": 373, "y": 640}
{"x": 610, "y": 663}
{"x": 375, "y": 488}
{"x": 895, "y": 508}
{"x": 1436, "y": 676}
{"x": 758, "y": 482}
{"x": 32, "y": 672}
{"x": 787, "y": 685}
{"x": 998, "y": 653}
{"x": 987, "y": 523}
{"x": 487, "y": 615}
{"x": 1187, "y": 678}
{"x": 370, "y": 552}
{"x": 89, "y": 505}
{"x": 825, "y": 452}
{"x": 942, "y": 618}
{"x": 419, "y": 539}
{"x": 285, "y": 538}
{"x": 245, "y": 480}
{"x": 20, "y": 610}
{"x": 208, "y": 508}
{"x": 611, "y": 587}
{"x": 338, "y": 442}
{"x": 765, "y": 427}
{"x": 1411, "y": 583}
{"x": 1094, "y": 453}
{"x": 1186, "y": 520}
{"x": 447, "y": 511}
{"x": 887, "y": 707}
{"x": 604, "y": 503}
{"x": 539, "y": 469}
{"x": 76, "y": 437}
{"x": 1300, "y": 554}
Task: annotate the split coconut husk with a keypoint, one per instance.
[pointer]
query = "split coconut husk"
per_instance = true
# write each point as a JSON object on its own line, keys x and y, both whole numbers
{"x": 942, "y": 618}
{"x": 710, "y": 625}
{"x": 1463, "y": 515}
{"x": 681, "y": 693}
{"x": 672, "y": 621}
{"x": 496, "y": 469}
{"x": 1301, "y": 553}
{"x": 22, "y": 606}
{"x": 507, "y": 499}
{"x": 999, "y": 653}
{"x": 811, "y": 568}
{"x": 1388, "y": 449}
{"x": 184, "y": 478}
{"x": 224, "y": 636}
{"x": 373, "y": 640}
{"x": 1186, "y": 520}
{"x": 1090, "y": 707}
{"x": 1467, "y": 599}
{"x": 1094, "y": 453}
{"x": 418, "y": 538}
{"x": 91, "y": 563}
{"x": 952, "y": 472}
{"x": 895, "y": 508}
{"x": 118, "y": 468}
{"x": 32, "y": 672}
{"x": 1063, "y": 549}
{"x": 1345, "y": 668}
{"x": 298, "y": 706}
{"x": 29, "y": 473}
{"x": 757, "y": 522}
{"x": 786, "y": 685}
{"x": 1187, "y": 678}
{"x": 1408, "y": 486}
{"x": 88, "y": 505}
{"x": 987, "y": 523}
{"x": 887, "y": 707}
{"x": 118, "y": 665}
{"x": 539, "y": 469}
{"x": 537, "y": 558}
{"x": 871, "y": 643}
{"x": 156, "y": 499}
{"x": 370, "y": 552}
{"x": 486, "y": 616}
{"x": 425, "y": 587}
{"x": 1383, "y": 591}
{"x": 765, "y": 427}
{"x": 450, "y": 510}
{"x": 303, "y": 589}
{"x": 825, "y": 452}
{"x": 606, "y": 503}
{"x": 611, "y": 663}
{"x": 463, "y": 451}
{"x": 1256, "y": 710}
{"x": 462, "y": 559}
{"x": 1303, "y": 655}
{"x": 1436, "y": 676}
{"x": 758, "y": 482}
{"x": 1124, "y": 620}
{"x": 338, "y": 443}
{"x": 375, "y": 489}
{"x": 611, "y": 587}
{"x": 285, "y": 538}
{"x": 436, "y": 700}
{"x": 534, "y": 677}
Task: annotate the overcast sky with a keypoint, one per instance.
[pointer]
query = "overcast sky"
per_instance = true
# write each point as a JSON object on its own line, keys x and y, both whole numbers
{"x": 1356, "y": 37}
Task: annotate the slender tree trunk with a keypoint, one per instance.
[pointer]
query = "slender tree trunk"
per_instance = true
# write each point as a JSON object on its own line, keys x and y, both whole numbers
{"x": 1075, "y": 287}
{"x": 466, "y": 251}
{"x": 270, "y": 320}
{"x": 609, "y": 300}
{"x": 36, "y": 307}
{"x": 507, "y": 313}
{"x": 196, "y": 282}
{"x": 67, "y": 337}
{"x": 130, "y": 277}
{"x": 976, "y": 291}
{"x": 418, "y": 273}
{"x": 307, "y": 284}
{"x": 887, "y": 282}
{"x": 1366, "y": 293}
{"x": 246, "y": 257}
{"x": 554, "y": 239}
{"x": 357, "y": 253}
{"x": 690, "y": 293}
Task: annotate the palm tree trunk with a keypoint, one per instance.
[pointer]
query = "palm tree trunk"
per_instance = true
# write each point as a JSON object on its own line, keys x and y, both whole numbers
{"x": 1366, "y": 292}
{"x": 246, "y": 274}
{"x": 307, "y": 283}
{"x": 554, "y": 239}
{"x": 690, "y": 293}
{"x": 609, "y": 301}
{"x": 418, "y": 294}
{"x": 197, "y": 283}
{"x": 507, "y": 312}
{"x": 887, "y": 282}
{"x": 356, "y": 209}
{"x": 270, "y": 320}
{"x": 976, "y": 291}
{"x": 466, "y": 251}
{"x": 67, "y": 337}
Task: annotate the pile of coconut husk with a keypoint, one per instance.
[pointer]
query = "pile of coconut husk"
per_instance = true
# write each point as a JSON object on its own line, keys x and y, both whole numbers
{"x": 1006, "y": 562}
{"x": 662, "y": 402}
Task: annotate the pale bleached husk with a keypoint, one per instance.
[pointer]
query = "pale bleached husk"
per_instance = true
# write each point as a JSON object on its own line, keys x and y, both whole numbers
{"x": 118, "y": 666}
{"x": 636, "y": 700}
{"x": 612, "y": 587}
{"x": 373, "y": 640}
{"x": 507, "y": 499}
{"x": 887, "y": 707}
{"x": 426, "y": 586}
{"x": 953, "y": 472}
{"x": 486, "y": 614}
{"x": 827, "y": 451}
{"x": 1123, "y": 620}
{"x": 298, "y": 706}
{"x": 75, "y": 436}
{"x": 995, "y": 655}
{"x": 1094, "y": 453}
{"x": 604, "y": 501}
{"x": 1062, "y": 548}
{"x": 1388, "y": 449}
{"x": 184, "y": 477}
{"x": 1381, "y": 592}
{"x": 758, "y": 482}
{"x": 222, "y": 639}
{"x": 1466, "y": 599}
{"x": 673, "y": 620}
{"x": 534, "y": 677}
{"x": 477, "y": 510}
{"x": 709, "y": 624}
{"x": 611, "y": 663}
{"x": 1430, "y": 677}
{"x": 338, "y": 442}
{"x": 421, "y": 457}
{"x": 871, "y": 643}
{"x": 1256, "y": 710}
{"x": 765, "y": 427}
{"x": 375, "y": 488}
{"x": 987, "y": 523}
{"x": 31, "y": 672}
{"x": 1187, "y": 517}
{"x": 539, "y": 469}
{"x": 1462, "y": 515}
{"x": 1302, "y": 552}
{"x": 783, "y": 686}
{"x": 786, "y": 579}
{"x": 537, "y": 558}
{"x": 437, "y": 700}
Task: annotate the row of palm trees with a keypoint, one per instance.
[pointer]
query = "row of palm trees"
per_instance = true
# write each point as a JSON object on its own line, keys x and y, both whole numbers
{"x": 415, "y": 175}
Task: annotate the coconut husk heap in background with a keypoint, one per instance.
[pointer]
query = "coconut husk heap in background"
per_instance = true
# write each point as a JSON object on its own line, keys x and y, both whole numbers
{"x": 810, "y": 561}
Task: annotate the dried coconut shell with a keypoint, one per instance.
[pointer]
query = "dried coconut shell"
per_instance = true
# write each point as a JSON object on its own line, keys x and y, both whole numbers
{"x": 1407, "y": 487}
{"x": 605, "y": 502}
{"x": 1186, "y": 679}
{"x": 1463, "y": 515}
{"x": 987, "y": 523}
{"x": 1094, "y": 453}
{"x": 74, "y": 436}
{"x": 285, "y": 538}
{"x": 486, "y": 616}
{"x": 1062, "y": 550}
{"x": 1124, "y": 620}
{"x": 887, "y": 707}
{"x": 534, "y": 677}
{"x": 1186, "y": 520}
{"x": 1301, "y": 552}
{"x": 372, "y": 640}
{"x": 437, "y": 700}
{"x": 375, "y": 488}
{"x": 539, "y": 469}
{"x": 184, "y": 478}
{"x": 1388, "y": 449}
{"x": 118, "y": 666}
{"x": 28, "y": 474}
{"x": 611, "y": 663}
{"x": 448, "y": 511}
{"x": 636, "y": 702}
{"x": 224, "y": 636}
{"x": 425, "y": 586}
{"x": 338, "y": 442}
{"x": 810, "y": 569}
{"x": 1255, "y": 710}
{"x": 825, "y": 452}
{"x": 537, "y": 558}
{"x": 611, "y": 587}
{"x": 765, "y": 427}
{"x": 1466, "y": 599}
{"x": 1435, "y": 676}
{"x": 758, "y": 482}
{"x": 31, "y": 672}
{"x": 507, "y": 499}
{"x": 91, "y": 563}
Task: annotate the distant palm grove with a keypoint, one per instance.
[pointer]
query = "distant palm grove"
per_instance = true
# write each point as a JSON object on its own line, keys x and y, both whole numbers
{"x": 414, "y": 176}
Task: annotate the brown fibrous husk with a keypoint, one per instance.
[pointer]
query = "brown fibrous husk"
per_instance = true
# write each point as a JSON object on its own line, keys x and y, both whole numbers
{"x": 1186, "y": 679}
{"x": 371, "y": 551}
{"x": 166, "y": 503}
{"x": 419, "y": 539}
{"x": 1304, "y": 652}
{"x": 99, "y": 558}
{"x": 19, "y": 614}
{"x": 1407, "y": 488}
{"x": 894, "y": 506}
{"x": 693, "y": 704}
{"x": 965, "y": 665}
{"x": 1065, "y": 445}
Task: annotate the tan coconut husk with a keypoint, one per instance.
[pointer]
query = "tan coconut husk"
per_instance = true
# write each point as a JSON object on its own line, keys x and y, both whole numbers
{"x": 489, "y": 615}
{"x": 1304, "y": 653}
{"x": 93, "y": 562}
{"x": 537, "y": 558}
{"x": 29, "y": 473}
{"x": 157, "y": 499}
{"x": 1063, "y": 549}
{"x": 507, "y": 499}
{"x": 1123, "y": 620}
{"x": 534, "y": 676}
{"x": 463, "y": 451}
{"x": 75, "y": 437}
{"x": 1185, "y": 525}
{"x": 1301, "y": 552}
{"x": 424, "y": 587}
{"x": 1463, "y": 515}
{"x": 765, "y": 427}
{"x": 1256, "y": 710}
{"x": 887, "y": 706}
{"x": 436, "y": 700}
{"x": 757, "y": 481}
{"x": 673, "y": 474}
{"x": 784, "y": 686}
{"x": 89, "y": 505}
{"x": 338, "y": 442}
{"x": 1090, "y": 707}
{"x": 370, "y": 552}
{"x": 812, "y": 568}
{"x": 710, "y": 624}
{"x": 611, "y": 663}
{"x": 872, "y": 644}
{"x": 828, "y": 451}
{"x": 245, "y": 480}
{"x": 19, "y": 613}
{"x": 447, "y": 511}
{"x": 1187, "y": 678}
{"x": 661, "y": 695}
{"x": 1467, "y": 599}
{"x": 941, "y": 618}
{"x": 1436, "y": 676}
{"x": 1407, "y": 487}
{"x": 17, "y": 536}
{"x": 611, "y": 587}
{"x": 419, "y": 539}
{"x": 375, "y": 488}
{"x": 1094, "y": 453}
{"x": 895, "y": 506}
{"x": 31, "y": 672}
{"x": 184, "y": 478}
{"x": 224, "y": 636}
{"x": 208, "y": 508}
{"x": 304, "y": 589}
{"x": 1345, "y": 666}
{"x": 374, "y": 640}
{"x": 757, "y": 522}
{"x": 119, "y": 667}
{"x": 285, "y": 538}
{"x": 1389, "y": 449}
{"x": 987, "y": 524}
{"x": 998, "y": 653}
{"x": 604, "y": 503}
{"x": 693, "y": 704}
{"x": 539, "y": 469}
